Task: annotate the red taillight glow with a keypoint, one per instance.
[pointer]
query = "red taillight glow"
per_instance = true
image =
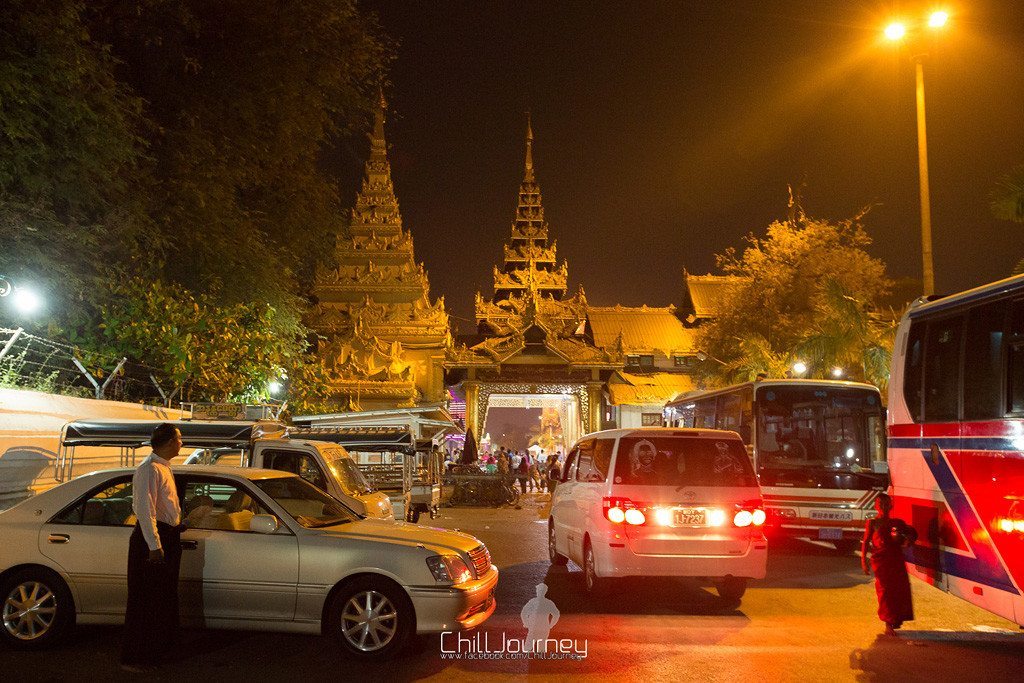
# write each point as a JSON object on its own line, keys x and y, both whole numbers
{"x": 750, "y": 514}
{"x": 1010, "y": 525}
{"x": 635, "y": 517}
{"x": 619, "y": 510}
{"x": 743, "y": 518}
{"x": 715, "y": 517}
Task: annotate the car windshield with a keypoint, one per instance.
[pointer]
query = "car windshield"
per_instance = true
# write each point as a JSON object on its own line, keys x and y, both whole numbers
{"x": 820, "y": 428}
{"x": 311, "y": 507}
{"x": 682, "y": 461}
{"x": 351, "y": 480}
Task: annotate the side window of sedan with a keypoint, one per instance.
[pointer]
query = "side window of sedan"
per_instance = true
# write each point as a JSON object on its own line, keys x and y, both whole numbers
{"x": 217, "y": 504}
{"x": 107, "y": 506}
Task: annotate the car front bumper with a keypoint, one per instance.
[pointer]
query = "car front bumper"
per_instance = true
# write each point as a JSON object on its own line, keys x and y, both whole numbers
{"x": 456, "y": 607}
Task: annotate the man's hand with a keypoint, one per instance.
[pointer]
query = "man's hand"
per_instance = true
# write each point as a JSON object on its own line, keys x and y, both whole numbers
{"x": 156, "y": 556}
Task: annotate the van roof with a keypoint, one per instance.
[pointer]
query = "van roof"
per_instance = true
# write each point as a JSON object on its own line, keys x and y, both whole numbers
{"x": 664, "y": 431}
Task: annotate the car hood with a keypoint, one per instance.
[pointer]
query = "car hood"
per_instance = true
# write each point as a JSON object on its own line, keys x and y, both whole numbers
{"x": 405, "y": 533}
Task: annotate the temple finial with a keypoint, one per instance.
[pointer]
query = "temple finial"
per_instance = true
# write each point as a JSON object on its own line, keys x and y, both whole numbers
{"x": 378, "y": 115}
{"x": 528, "y": 177}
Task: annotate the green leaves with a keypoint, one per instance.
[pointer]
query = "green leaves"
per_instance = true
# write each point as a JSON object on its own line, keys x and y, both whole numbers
{"x": 212, "y": 351}
{"x": 807, "y": 291}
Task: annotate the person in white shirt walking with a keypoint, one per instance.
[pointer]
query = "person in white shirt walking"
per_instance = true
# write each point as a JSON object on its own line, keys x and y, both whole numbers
{"x": 154, "y": 556}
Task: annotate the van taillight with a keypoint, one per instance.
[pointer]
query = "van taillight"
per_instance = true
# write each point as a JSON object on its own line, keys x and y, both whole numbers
{"x": 619, "y": 510}
{"x": 750, "y": 514}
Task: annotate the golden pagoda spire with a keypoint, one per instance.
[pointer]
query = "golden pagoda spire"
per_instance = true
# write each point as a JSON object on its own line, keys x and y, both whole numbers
{"x": 528, "y": 177}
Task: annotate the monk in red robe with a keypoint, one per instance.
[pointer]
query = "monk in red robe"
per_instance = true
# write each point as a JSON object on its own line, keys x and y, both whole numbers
{"x": 885, "y": 537}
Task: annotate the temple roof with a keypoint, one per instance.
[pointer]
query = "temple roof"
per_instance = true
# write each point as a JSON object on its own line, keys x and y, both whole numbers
{"x": 705, "y": 294}
{"x": 655, "y": 388}
{"x": 643, "y": 329}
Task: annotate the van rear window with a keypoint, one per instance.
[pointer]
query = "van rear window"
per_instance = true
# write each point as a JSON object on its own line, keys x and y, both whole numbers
{"x": 682, "y": 461}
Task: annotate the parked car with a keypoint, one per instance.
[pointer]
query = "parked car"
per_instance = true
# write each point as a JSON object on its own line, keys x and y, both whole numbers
{"x": 265, "y": 550}
{"x": 660, "y": 502}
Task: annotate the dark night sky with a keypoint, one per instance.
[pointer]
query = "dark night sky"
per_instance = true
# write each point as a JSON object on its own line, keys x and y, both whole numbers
{"x": 665, "y": 131}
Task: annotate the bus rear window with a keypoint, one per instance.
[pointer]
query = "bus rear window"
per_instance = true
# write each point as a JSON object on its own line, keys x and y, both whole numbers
{"x": 682, "y": 461}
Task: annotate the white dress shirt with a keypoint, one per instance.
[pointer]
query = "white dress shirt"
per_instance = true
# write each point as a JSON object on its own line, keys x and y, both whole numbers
{"x": 154, "y": 498}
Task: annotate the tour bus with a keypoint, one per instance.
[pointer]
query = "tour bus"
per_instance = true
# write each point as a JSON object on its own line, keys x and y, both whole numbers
{"x": 818, "y": 448}
{"x": 956, "y": 442}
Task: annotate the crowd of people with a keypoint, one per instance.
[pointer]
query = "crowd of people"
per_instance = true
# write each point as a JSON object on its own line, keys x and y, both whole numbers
{"x": 533, "y": 473}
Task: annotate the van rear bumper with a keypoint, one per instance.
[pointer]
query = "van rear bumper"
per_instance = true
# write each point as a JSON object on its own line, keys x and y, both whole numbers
{"x": 612, "y": 561}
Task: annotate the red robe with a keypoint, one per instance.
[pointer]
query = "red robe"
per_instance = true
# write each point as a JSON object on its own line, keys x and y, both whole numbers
{"x": 892, "y": 585}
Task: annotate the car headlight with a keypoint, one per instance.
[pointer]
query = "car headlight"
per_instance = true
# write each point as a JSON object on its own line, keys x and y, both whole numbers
{"x": 449, "y": 569}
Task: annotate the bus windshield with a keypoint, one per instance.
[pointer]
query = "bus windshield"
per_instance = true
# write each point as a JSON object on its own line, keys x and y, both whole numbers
{"x": 836, "y": 429}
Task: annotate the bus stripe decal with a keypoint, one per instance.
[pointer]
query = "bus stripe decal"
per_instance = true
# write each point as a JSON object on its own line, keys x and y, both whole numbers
{"x": 986, "y": 566}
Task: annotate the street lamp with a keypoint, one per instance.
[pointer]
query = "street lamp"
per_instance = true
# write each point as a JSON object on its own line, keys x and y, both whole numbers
{"x": 896, "y": 32}
{"x": 25, "y": 300}
{"x": 799, "y": 368}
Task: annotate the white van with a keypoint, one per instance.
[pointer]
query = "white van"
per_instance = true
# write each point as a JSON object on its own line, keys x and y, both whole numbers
{"x": 660, "y": 502}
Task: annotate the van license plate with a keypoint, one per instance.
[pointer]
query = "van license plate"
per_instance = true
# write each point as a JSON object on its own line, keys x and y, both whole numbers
{"x": 690, "y": 517}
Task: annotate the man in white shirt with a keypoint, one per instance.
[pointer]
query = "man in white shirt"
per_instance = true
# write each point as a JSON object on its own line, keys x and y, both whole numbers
{"x": 154, "y": 556}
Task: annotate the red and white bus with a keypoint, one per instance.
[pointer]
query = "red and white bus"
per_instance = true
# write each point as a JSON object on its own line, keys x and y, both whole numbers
{"x": 818, "y": 448}
{"x": 956, "y": 442}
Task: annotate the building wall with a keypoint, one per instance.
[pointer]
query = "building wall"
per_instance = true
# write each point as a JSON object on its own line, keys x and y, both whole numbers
{"x": 631, "y": 417}
{"x": 30, "y": 427}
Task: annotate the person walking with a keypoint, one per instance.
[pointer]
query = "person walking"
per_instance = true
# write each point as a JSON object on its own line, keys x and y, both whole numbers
{"x": 154, "y": 557}
{"x": 535, "y": 483}
{"x": 523, "y": 472}
{"x": 554, "y": 474}
{"x": 885, "y": 537}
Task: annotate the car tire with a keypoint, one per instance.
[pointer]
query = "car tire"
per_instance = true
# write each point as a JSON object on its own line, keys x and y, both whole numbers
{"x": 380, "y": 636}
{"x": 556, "y": 558}
{"x": 36, "y": 608}
{"x": 732, "y": 588}
{"x": 594, "y": 584}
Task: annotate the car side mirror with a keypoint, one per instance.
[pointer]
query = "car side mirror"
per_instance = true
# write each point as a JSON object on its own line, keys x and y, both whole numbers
{"x": 264, "y": 524}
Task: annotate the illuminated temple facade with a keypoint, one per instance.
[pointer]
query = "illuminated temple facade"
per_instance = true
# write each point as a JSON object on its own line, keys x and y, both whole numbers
{"x": 382, "y": 338}
{"x": 538, "y": 346}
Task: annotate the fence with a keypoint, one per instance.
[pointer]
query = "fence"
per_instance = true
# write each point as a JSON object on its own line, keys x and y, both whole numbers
{"x": 28, "y": 361}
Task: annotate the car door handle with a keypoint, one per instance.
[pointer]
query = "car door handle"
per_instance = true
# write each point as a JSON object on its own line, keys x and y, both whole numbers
{"x": 189, "y": 545}
{"x": 58, "y": 538}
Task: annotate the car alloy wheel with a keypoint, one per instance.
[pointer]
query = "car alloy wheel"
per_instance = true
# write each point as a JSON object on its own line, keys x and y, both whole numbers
{"x": 593, "y": 582}
{"x": 30, "y": 610}
{"x": 369, "y": 621}
{"x": 553, "y": 554}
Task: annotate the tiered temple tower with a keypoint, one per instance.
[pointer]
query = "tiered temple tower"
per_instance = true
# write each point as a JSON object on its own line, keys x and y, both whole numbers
{"x": 530, "y": 262}
{"x": 383, "y": 337}
{"x": 531, "y": 284}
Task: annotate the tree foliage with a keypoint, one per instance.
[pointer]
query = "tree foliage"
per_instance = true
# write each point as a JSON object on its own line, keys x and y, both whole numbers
{"x": 808, "y": 291}
{"x": 206, "y": 350}
{"x": 1007, "y": 202}
{"x": 71, "y": 151}
{"x": 180, "y": 142}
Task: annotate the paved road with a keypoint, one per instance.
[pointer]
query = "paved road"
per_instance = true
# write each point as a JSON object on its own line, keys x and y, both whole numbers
{"x": 811, "y": 619}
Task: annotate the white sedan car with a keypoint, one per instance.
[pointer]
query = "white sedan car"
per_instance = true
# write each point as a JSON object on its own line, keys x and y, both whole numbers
{"x": 265, "y": 550}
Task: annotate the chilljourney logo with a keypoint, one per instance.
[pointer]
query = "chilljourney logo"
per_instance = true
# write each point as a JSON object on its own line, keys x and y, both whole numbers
{"x": 539, "y": 616}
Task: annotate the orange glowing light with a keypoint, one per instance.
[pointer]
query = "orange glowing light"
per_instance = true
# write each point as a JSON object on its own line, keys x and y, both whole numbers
{"x": 938, "y": 19}
{"x": 895, "y": 31}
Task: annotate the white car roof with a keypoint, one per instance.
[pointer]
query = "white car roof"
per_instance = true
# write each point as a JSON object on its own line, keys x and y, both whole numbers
{"x": 663, "y": 431}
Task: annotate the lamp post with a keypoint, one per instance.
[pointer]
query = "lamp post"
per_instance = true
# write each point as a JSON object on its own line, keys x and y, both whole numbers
{"x": 25, "y": 300}
{"x": 897, "y": 32}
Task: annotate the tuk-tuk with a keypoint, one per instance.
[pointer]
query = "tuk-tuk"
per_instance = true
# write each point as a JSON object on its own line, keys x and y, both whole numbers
{"x": 408, "y": 470}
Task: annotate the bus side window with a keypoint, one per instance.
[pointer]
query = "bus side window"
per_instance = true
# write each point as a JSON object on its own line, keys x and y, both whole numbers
{"x": 983, "y": 362}
{"x": 1015, "y": 359}
{"x": 913, "y": 369}
{"x": 942, "y": 369}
